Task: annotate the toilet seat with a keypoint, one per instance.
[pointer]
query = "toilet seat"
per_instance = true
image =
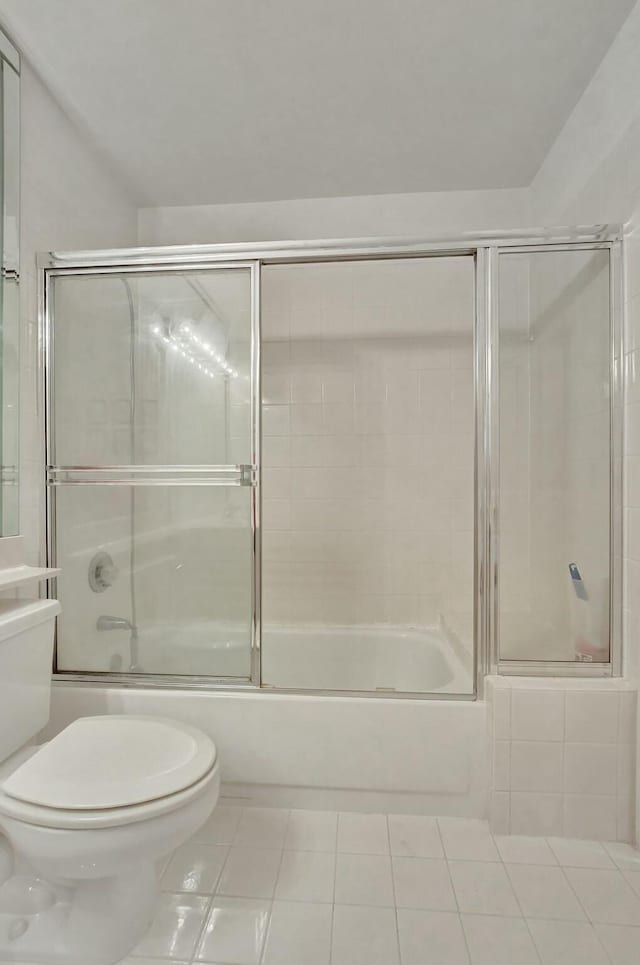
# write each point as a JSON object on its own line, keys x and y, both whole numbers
{"x": 110, "y": 770}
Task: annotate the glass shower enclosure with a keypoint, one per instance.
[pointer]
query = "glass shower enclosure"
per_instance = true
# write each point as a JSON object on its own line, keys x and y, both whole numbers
{"x": 153, "y": 439}
{"x": 372, "y": 467}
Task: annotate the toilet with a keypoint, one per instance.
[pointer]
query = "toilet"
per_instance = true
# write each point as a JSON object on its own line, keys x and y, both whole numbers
{"x": 86, "y": 817}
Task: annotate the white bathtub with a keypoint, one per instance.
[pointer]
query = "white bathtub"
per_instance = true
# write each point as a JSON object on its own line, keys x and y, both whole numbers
{"x": 363, "y": 753}
{"x": 362, "y": 658}
{"x": 309, "y": 657}
{"x": 359, "y": 753}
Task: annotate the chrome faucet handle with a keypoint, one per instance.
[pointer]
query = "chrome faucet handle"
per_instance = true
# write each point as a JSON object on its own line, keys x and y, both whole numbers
{"x": 102, "y": 572}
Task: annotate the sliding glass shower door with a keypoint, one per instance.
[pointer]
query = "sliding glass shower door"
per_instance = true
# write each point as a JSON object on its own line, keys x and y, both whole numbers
{"x": 151, "y": 469}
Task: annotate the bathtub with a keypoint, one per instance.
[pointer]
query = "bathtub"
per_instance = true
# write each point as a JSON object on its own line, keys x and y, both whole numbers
{"x": 309, "y": 657}
{"x": 383, "y": 658}
{"x": 379, "y": 753}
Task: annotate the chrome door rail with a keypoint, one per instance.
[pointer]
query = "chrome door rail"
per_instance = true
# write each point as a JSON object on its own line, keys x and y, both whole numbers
{"x": 186, "y": 257}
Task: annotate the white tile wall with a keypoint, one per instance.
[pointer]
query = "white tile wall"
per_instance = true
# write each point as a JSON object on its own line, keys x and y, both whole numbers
{"x": 368, "y": 444}
{"x": 563, "y": 757}
{"x": 554, "y": 436}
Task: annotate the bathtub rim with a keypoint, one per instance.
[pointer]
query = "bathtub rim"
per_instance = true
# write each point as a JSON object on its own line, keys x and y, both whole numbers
{"x": 231, "y": 685}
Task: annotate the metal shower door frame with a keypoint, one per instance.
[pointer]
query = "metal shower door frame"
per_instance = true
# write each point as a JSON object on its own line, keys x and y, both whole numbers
{"x": 153, "y": 475}
{"x": 485, "y": 248}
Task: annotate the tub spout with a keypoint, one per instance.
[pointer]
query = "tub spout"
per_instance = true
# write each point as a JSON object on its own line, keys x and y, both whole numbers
{"x": 115, "y": 623}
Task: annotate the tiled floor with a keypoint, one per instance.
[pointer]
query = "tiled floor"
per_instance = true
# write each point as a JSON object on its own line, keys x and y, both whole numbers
{"x": 264, "y": 886}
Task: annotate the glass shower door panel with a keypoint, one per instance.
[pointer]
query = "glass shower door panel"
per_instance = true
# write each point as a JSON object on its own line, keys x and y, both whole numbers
{"x": 555, "y": 336}
{"x": 152, "y": 369}
{"x": 178, "y": 599}
{"x": 152, "y": 494}
{"x": 368, "y": 442}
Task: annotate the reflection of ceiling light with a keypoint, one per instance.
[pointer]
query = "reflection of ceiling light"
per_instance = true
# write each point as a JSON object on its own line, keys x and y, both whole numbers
{"x": 181, "y": 346}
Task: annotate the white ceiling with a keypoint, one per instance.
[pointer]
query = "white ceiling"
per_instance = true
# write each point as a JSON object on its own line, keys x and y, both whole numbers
{"x": 208, "y": 101}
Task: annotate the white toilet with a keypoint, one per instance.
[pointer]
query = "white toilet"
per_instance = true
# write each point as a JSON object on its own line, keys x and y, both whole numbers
{"x": 87, "y": 815}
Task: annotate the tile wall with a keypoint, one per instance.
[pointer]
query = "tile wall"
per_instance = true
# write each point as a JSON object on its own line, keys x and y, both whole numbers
{"x": 562, "y": 757}
{"x": 368, "y": 444}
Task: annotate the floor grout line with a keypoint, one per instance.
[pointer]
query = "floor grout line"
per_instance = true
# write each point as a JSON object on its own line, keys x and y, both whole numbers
{"x": 393, "y": 889}
{"x": 208, "y": 897}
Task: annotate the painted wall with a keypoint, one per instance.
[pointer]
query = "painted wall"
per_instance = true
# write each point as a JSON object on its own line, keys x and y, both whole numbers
{"x": 402, "y": 215}
{"x": 70, "y": 199}
{"x": 590, "y": 174}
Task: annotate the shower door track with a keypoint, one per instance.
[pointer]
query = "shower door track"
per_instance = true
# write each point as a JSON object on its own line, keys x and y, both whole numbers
{"x": 484, "y": 247}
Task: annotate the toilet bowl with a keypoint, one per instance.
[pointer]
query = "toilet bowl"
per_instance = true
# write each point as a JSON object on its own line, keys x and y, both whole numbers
{"x": 108, "y": 792}
{"x": 92, "y": 811}
{"x": 85, "y": 818}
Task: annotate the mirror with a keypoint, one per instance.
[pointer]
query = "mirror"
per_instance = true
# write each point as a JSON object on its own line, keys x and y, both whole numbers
{"x": 9, "y": 286}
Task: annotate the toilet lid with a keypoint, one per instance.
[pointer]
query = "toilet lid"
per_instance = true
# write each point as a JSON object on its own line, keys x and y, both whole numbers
{"x": 113, "y": 761}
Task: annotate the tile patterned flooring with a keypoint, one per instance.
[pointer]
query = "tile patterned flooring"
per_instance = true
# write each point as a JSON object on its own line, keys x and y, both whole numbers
{"x": 266, "y": 886}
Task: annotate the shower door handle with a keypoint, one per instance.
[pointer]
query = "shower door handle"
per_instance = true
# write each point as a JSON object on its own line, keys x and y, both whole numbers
{"x": 232, "y": 475}
{"x": 248, "y": 475}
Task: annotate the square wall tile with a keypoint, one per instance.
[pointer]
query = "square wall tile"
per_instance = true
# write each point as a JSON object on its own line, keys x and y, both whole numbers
{"x": 592, "y": 717}
{"x": 500, "y": 812}
{"x": 590, "y": 768}
{"x": 536, "y": 765}
{"x": 502, "y": 765}
{"x": 537, "y": 715}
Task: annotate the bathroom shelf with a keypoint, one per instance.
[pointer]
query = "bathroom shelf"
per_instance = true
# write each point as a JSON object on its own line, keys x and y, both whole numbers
{"x": 19, "y": 575}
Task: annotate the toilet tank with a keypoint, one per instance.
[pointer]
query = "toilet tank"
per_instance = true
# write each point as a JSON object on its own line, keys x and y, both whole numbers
{"x": 26, "y": 656}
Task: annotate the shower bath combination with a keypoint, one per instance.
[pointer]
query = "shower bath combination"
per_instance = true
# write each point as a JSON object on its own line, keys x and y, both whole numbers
{"x": 335, "y": 467}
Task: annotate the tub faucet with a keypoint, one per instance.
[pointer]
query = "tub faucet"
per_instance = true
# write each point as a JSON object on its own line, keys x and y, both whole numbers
{"x": 115, "y": 623}
{"x": 121, "y": 623}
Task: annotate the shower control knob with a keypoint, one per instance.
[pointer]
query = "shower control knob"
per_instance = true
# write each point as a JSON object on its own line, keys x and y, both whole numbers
{"x": 102, "y": 572}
